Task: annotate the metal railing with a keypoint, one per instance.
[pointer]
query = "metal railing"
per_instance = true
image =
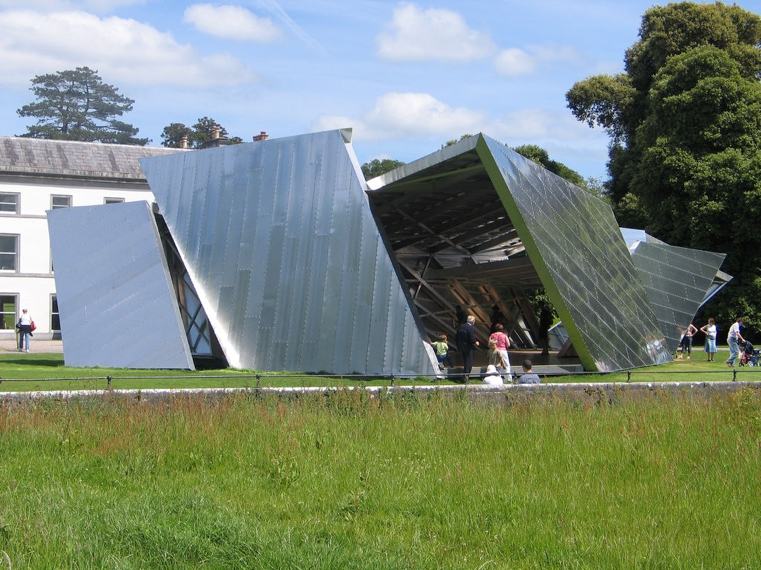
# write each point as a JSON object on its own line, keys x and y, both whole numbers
{"x": 263, "y": 379}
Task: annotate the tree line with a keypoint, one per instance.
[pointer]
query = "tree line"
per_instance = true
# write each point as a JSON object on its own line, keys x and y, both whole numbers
{"x": 684, "y": 121}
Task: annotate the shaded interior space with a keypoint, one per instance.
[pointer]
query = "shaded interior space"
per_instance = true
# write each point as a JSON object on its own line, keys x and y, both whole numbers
{"x": 204, "y": 346}
{"x": 457, "y": 251}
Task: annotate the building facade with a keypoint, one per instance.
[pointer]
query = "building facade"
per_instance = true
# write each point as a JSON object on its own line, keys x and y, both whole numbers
{"x": 41, "y": 175}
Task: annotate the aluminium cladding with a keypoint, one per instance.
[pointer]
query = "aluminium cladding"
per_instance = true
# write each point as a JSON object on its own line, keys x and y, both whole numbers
{"x": 571, "y": 238}
{"x": 115, "y": 296}
{"x": 282, "y": 249}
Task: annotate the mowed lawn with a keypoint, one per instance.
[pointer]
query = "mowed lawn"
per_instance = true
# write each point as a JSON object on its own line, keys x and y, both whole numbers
{"x": 47, "y": 372}
{"x": 345, "y": 481}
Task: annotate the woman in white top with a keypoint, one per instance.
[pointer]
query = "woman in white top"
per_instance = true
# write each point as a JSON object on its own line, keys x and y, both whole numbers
{"x": 492, "y": 377}
{"x": 710, "y": 331}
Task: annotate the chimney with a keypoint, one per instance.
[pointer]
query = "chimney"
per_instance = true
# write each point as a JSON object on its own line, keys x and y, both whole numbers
{"x": 262, "y": 136}
{"x": 184, "y": 141}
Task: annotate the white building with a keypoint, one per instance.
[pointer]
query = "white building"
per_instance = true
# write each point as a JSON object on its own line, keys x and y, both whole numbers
{"x": 37, "y": 175}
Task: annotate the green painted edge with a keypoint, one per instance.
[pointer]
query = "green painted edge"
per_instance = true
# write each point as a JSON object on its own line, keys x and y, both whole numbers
{"x": 512, "y": 210}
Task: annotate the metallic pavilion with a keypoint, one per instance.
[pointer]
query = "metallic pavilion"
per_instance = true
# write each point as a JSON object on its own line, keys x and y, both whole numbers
{"x": 277, "y": 255}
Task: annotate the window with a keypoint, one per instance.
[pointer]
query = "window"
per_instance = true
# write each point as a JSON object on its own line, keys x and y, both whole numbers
{"x": 8, "y": 252}
{"x": 55, "y": 319}
{"x": 8, "y": 306}
{"x": 60, "y": 202}
{"x": 9, "y": 203}
{"x": 113, "y": 200}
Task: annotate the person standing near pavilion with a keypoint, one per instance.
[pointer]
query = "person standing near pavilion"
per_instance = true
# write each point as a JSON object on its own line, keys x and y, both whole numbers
{"x": 466, "y": 343}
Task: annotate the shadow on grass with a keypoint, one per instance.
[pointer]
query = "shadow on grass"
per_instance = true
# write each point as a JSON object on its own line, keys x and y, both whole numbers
{"x": 33, "y": 361}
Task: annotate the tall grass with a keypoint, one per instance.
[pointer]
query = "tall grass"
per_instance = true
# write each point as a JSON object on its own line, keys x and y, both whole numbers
{"x": 344, "y": 481}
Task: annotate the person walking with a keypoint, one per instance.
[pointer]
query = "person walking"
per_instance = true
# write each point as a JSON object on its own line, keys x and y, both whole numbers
{"x": 441, "y": 347}
{"x": 733, "y": 339}
{"x": 709, "y": 330}
{"x": 24, "y": 326}
{"x": 466, "y": 343}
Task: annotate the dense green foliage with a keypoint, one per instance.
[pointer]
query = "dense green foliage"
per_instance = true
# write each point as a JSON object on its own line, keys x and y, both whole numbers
{"x": 394, "y": 482}
{"x": 685, "y": 126}
{"x": 379, "y": 166}
{"x": 76, "y": 104}
{"x": 541, "y": 156}
{"x": 199, "y": 135}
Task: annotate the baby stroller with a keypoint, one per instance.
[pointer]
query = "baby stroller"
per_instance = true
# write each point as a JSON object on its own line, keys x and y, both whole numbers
{"x": 749, "y": 356}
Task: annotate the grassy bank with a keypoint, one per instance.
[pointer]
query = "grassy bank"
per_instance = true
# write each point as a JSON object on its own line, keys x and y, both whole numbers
{"x": 346, "y": 482}
{"x": 36, "y": 369}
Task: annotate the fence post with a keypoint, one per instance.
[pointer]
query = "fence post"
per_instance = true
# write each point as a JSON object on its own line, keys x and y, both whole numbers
{"x": 258, "y": 377}
{"x": 734, "y": 375}
{"x": 393, "y": 378}
{"x": 628, "y": 375}
{"x": 108, "y": 382}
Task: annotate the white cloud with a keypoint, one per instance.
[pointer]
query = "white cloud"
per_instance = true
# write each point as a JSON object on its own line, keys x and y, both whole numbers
{"x": 415, "y": 34}
{"x": 516, "y": 61}
{"x": 546, "y": 128}
{"x": 124, "y": 51}
{"x": 231, "y": 22}
{"x": 420, "y": 115}
{"x": 407, "y": 114}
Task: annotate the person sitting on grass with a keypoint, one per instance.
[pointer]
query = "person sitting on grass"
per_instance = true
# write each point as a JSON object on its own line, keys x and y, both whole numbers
{"x": 528, "y": 376}
{"x": 492, "y": 377}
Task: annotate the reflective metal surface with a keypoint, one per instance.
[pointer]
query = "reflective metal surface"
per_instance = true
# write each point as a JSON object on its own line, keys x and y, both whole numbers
{"x": 676, "y": 280}
{"x": 575, "y": 245}
{"x": 280, "y": 244}
{"x": 115, "y": 297}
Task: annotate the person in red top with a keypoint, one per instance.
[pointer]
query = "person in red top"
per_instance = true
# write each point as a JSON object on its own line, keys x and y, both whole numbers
{"x": 498, "y": 339}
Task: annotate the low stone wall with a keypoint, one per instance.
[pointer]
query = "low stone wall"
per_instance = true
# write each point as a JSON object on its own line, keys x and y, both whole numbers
{"x": 603, "y": 392}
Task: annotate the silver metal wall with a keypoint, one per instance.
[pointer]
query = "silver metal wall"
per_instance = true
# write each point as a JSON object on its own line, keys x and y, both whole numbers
{"x": 115, "y": 296}
{"x": 575, "y": 244}
{"x": 280, "y": 243}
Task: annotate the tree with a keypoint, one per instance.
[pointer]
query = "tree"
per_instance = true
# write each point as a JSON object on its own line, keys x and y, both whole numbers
{"x": 378, "y": 166}
{"x": 76, "y": 104}
{"x": 199, "y": 135}
{"x": 685, "y": 127}
{"x": 541, "y": 156}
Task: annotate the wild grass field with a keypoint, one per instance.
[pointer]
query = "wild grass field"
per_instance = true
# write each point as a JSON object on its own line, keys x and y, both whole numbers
{"x": 23, "y": 372}
{"x": 345, "y": 481}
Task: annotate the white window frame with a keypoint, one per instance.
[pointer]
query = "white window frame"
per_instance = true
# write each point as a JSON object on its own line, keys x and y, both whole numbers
{"x": 69, "y": 196}
{"x": 18, "y": 204}
{"x": 15, "y": 316}
{"x": 17, "y": 263}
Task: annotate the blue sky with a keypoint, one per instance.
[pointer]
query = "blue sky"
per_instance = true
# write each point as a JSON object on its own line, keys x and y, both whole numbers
{"x": 406, "y": 76}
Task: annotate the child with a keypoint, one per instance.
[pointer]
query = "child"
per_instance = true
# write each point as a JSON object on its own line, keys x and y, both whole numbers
{"x": 528, "y": 376}
{"x": 442, "y": 351}
{"x": 499, "y": 343}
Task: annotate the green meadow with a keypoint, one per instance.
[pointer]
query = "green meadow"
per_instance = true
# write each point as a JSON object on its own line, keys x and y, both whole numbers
{"x": 398, "y": 481}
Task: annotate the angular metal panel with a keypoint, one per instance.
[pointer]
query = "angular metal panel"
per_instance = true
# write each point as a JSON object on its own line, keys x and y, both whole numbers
{"x": 115, "y": 295}
{"x": 676, "y": 281}
{"x": 280, "y": 243}
{"x": 574, "y": 243}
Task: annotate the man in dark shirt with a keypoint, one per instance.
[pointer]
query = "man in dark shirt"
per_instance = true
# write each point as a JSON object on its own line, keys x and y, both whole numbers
{"x": 466, "y": 343}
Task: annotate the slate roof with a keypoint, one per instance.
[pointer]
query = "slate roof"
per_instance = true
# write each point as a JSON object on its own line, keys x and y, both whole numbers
{"x": 44, "y": 157}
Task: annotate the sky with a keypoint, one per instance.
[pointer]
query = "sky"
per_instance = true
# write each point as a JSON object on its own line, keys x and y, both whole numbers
{"x": 406, "y": 76}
